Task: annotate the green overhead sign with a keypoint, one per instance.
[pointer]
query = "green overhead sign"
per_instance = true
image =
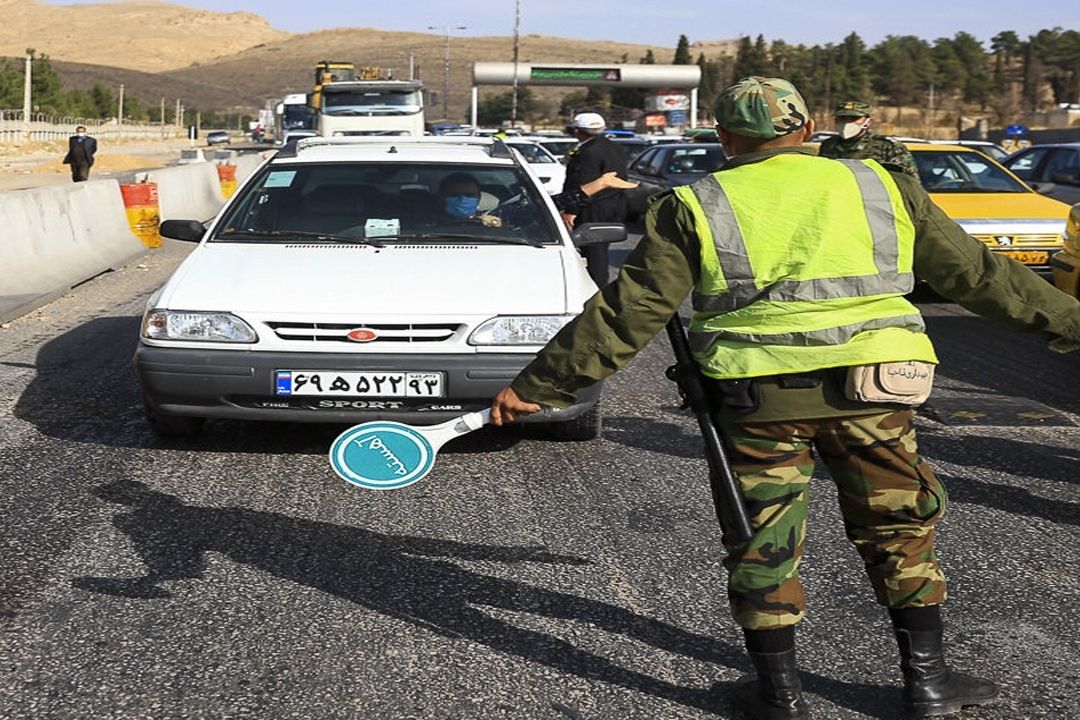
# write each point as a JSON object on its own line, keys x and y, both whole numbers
{"x": 572, "y": 74}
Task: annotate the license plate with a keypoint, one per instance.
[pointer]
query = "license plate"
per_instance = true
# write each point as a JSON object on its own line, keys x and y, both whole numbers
{"x": 1028, "y": 257}
{"x": 334, "y": 383}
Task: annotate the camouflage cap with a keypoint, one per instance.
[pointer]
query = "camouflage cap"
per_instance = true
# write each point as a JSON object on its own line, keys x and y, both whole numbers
{"x": 852, "y": 108}
{"x": 761, "y": 107}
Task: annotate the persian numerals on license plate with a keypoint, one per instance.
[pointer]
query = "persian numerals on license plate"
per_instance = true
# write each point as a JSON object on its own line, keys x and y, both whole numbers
{"x": 335, "y": 383}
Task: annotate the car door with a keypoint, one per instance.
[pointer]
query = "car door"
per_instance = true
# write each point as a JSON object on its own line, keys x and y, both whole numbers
{"x": 1025, "y": 164}
{"x": 645, "y": 170}
{"x": 1063, "y": 169}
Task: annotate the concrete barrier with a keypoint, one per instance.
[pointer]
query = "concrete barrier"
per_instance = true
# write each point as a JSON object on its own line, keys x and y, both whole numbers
{"x": 188, "y": 192}
{"x": 247, "y": 164}
{"x": 58, "y": 237}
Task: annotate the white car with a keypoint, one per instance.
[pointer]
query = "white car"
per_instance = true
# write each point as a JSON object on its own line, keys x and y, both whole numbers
{"x": 551, "y": 172}
{"x": 339, "y": 284}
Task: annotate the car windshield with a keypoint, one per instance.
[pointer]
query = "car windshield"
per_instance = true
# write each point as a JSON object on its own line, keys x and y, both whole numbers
{"x": 695, "y": 160}
{"x": 955, "y": 171}
{"x": 533, "y": 153}
{"x": 388, "y": 202}
{"x": 381, "y": 101}
{"x": 559, "y": 147}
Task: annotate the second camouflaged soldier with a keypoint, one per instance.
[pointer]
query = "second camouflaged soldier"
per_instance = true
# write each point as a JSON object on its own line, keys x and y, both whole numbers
{"x": 854, "y": 140}
{"x": 798, "y": 267}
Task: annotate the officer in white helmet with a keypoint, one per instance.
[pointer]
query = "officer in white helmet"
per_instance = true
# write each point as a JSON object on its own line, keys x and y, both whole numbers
{"x": 594, "y": 156}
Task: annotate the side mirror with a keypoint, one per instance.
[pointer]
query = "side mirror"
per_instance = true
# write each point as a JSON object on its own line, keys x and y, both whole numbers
{"x": 187, "y": 230}
{"x": 1065, "y": 178}
{"x": 598, "y": 234}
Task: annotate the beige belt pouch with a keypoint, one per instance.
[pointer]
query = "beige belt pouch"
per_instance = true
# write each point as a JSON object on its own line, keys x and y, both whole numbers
{"x": 905, "y": 383}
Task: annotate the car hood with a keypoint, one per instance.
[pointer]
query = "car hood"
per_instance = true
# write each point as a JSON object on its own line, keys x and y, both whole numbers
{"x": 1000, "y": 206}
{"x": 458, "y": 279}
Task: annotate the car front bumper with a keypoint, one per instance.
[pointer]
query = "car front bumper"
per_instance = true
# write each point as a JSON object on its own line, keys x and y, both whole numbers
{"x": 240, "y": 385}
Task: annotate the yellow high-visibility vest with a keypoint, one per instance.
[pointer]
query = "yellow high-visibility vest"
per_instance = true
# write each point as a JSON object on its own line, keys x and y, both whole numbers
{"x": 804, "y": 265}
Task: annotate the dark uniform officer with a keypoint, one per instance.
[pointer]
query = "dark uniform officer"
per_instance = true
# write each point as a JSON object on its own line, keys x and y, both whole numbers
{"x": 785, "y": 303}
{"x": 593, "y": 157}
{"x": 854, "y": 139}
{"x": 80, "y": 154}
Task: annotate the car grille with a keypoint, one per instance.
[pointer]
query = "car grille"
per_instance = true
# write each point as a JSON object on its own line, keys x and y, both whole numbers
{"x": 384, "y": 334}
{"x": 1009, "y": 240}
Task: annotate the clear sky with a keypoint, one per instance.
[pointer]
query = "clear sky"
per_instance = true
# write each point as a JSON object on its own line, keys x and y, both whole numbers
{"x": 660, "y": 22}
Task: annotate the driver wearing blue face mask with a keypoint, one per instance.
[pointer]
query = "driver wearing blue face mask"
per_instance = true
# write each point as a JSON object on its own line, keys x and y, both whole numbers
{"x": 459, "y": 195}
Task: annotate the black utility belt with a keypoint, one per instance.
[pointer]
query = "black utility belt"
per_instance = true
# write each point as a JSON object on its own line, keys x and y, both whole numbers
{"x": 743, "y": 396}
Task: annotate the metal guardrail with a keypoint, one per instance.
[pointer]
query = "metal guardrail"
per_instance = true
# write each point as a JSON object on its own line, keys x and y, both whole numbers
{"x": 41, "y": 127}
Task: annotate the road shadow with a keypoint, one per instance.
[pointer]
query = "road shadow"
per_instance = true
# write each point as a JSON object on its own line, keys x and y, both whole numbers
{"x": 409, "y": 578}
{"x": 415, "y": 579}
{"x": 664, "y": 438}
{"x": 86, "y": 390}
{"x": 1025, "y": 368}
{"x": 1002, "y": 454}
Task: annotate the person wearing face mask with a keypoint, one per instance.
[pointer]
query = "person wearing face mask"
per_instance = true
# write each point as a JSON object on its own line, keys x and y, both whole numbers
{"x": 798, "y": 267}
{"x": 459, "y": 201}
{"x": 80, "y": 154}
{"x": 854, "y": 140}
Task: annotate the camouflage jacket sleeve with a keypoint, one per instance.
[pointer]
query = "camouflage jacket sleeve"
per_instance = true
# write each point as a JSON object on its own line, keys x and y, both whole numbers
{"x": 896, "y": 154}
{"x": 622, "y": 318}
{"x": 966, "y": 271}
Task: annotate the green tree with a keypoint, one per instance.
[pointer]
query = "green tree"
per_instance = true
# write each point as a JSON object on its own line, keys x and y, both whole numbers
{"x": 572, "y": 102}
{"x": 102, "y": 102}
{"x": 682, "y": 52}
{"x": 496, "y": 109}
{"x": 11, "y": 85}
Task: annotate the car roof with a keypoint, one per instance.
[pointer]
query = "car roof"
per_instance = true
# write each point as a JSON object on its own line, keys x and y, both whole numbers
{"x": 436, "y": 148}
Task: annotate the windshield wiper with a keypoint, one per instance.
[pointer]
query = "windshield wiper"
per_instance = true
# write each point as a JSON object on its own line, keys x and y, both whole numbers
{"x": 294, "y": 234}
{"x": 502, "y": 240}
{"x": 498, "y": 239}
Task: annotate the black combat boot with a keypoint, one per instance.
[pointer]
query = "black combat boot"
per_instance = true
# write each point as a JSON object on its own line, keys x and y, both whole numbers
{"x": 776, "y": 692}
{"x": 930, "y": 687}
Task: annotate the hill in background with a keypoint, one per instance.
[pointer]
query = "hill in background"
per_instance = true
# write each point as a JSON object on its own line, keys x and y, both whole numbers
{"x": 236, "y": 61}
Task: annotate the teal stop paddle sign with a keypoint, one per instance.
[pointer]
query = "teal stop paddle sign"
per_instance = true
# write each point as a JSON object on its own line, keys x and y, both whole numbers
{"x": 384, "y": 455}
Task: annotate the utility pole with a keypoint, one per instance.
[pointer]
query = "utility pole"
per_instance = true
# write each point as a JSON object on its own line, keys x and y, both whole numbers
{"x": 26, "y": 95}
{"x": 163, "y": 117}
{"x": 446, "y": 67}
{"x": 120, "y": 108}
{"x": 514, "y": 99}
{"x": 176, "y": 115}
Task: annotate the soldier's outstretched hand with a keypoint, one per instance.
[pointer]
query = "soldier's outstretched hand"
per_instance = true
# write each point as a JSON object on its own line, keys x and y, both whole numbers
{"x": 508, "y": 406}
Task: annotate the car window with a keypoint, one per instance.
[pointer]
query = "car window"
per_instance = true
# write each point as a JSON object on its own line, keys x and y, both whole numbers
{"x": 559, "y": 147}
{"x": 1024, "y": 164}
{"x": 399, "y": 201}
{"x": 533, "y": 153}
{"x": 641, "y": 163}
{"x": 657, "y": 162}
{"x": 1063, "y": 161}
{"x": 694, "y": 161}
{"x": 963, "y": 171}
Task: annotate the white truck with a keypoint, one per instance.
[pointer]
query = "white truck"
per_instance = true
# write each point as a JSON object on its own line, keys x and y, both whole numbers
{"x": 371, "y": 107}
{"x": 293, "y": 118}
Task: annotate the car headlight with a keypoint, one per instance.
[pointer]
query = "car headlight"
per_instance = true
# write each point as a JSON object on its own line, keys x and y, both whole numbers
{"x": 518, "y": 330}
{"x": 197, "y": 326}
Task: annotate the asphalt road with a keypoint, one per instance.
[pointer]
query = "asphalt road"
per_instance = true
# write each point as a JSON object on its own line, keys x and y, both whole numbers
{"x": 235, "y": 576}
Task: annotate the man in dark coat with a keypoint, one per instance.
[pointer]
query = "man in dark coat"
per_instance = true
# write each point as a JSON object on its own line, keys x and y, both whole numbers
{"x": 594, "y": 156}
{"x": 80, "y": 155}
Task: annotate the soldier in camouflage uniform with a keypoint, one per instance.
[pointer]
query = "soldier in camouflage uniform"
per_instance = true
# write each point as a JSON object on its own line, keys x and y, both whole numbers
{"x": 854, "y": 140}
{"x": 785, "y": 304}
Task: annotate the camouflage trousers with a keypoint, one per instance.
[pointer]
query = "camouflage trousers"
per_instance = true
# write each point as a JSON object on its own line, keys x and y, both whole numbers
{"x": 889, "y": 498}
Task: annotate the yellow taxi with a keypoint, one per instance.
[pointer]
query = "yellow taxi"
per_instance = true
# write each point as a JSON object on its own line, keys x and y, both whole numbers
{"x": 1066, "y": 262}
{"x": 991, "y": 203}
